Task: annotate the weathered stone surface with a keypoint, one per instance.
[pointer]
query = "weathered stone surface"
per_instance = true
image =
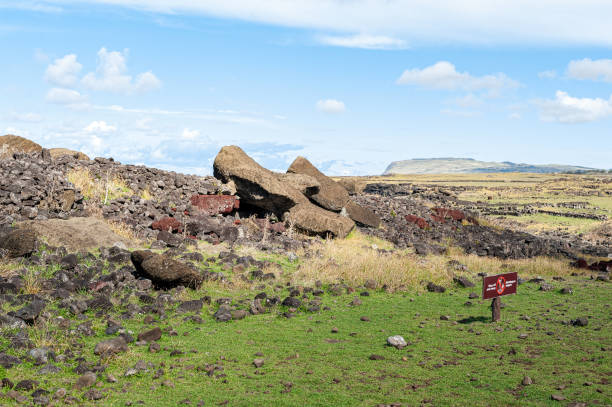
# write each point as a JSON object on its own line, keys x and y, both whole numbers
{"x": 20, "y": 242}
{"x": 111, "y": 346}
{"x": 78, "y": 233}
{"x": 306, "y": 184}
{"x": 362, "y": 215}
{"x": 332, "y": 195}
{"x": 150, "y": 335}
{"x": 312, "y": 219}
{"x": 255, "y": 185}
{"x": 11, "y": 144}
{"x": 164, "y": 271}
{"x": 168, "y": 224}
{"x": 397, "y": 341}
{"x": 57, "y": 153}
{"x": 215, "y": 204}
{"x": 30, "y": 312}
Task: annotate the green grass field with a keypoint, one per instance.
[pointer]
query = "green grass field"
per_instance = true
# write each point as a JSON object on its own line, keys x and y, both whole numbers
{"x": 466, "y": 360}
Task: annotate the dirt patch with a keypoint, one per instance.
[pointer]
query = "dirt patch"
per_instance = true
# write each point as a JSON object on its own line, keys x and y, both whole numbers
{"x": 77, "y": 233}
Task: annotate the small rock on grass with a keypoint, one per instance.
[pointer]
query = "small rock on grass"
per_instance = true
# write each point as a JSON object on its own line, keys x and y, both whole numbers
{"x": 397, "y": 341}
{"x": 582, "y": 321}
{"x": 88, "y": 379}
{"x": 258, "y": 362}
{"x": 376, "y": 357}
{"x": 527, "y": 381}
{"x": 557, "y": 397}
{"x": 111, "y": 346}
{"x": 150, "y": 335}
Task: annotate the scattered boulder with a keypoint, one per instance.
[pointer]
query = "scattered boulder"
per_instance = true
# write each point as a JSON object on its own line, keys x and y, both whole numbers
{"x": 111, "y": 346}
{"x": 87, "y": 379}
{"x": 434, "y": 288}
{"x": 168, "y": 224}
{"x": 463, "y": 281}
{"x": 581, "y": 321}
{"x": 20, "y": 242}
{"x": 164, "y": 271}
{"x": 215, "y": 204}
{"x": 150, "y": 335}
{"x": 30, "y": 312}
{"x": 397, "y": 341}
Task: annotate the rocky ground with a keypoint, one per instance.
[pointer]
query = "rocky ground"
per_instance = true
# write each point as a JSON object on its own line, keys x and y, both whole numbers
{"x": 88, "y": 316}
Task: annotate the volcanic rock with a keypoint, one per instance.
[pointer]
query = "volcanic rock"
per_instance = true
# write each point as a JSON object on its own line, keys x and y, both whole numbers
{"x": 150, "y": 335}
{"x": 332, "y": 195}
{"x": 306, "y": 184}
{"x": 215, "y": 204}
{"x": 314, "y": 220}
{"x": 164, "y": 271}
{"x": 111, "y": 346}
{"x": 20, "y": 242}
{"x": 255, "y": 185}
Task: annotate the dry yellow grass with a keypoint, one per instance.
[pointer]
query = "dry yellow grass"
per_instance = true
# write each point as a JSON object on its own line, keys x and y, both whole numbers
{"x": 355, "y": 260}
{"x": 123, "y": 230}
{"x": 99, "y": 189}
{"x": 32, "y": 282}
{"x": 146, "y": 194}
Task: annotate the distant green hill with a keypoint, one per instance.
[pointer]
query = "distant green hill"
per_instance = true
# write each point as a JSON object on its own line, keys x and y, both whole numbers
{"x": 469, "y": 165}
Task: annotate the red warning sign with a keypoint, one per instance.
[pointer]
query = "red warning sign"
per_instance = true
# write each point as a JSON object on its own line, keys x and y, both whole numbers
{"x": 501, "y": 284}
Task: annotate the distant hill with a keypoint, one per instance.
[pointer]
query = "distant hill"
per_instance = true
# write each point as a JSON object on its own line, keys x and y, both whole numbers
{"x": 469, "y": 165}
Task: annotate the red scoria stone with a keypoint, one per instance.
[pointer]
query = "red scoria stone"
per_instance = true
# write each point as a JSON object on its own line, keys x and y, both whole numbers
{"x": 420, "y": 222}
{"x": 168, "y": 224}
{"x": 216, "y": 204}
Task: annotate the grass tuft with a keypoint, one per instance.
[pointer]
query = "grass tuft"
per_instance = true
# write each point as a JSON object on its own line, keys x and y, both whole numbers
{"x": 99, "y": 189}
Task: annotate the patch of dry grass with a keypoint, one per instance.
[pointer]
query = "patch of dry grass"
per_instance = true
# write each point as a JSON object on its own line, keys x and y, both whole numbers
{"x": 123, "y": 230}
{"x": 146, "y": 194}
{"x": 357, "y": 259}
{"x": 32, "y": 282}
{"x": 99, "y": 189}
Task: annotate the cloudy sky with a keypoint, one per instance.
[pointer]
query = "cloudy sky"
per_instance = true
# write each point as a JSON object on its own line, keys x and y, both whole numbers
{"x": 350, "y": 84}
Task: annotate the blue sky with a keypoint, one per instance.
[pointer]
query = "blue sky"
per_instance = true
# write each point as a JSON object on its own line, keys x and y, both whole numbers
{"x": 352, "y": 85}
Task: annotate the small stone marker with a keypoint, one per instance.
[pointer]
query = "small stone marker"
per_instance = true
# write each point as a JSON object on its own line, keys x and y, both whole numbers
{"x": 496, "y": 286}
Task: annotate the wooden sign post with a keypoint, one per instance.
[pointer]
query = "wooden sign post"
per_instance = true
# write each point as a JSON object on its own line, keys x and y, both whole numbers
{"x": 494, "y": 287}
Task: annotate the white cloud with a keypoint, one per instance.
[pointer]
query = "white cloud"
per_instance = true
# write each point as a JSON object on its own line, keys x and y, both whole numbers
{"x": 444, "y": 75}
{"x": 190, "y": 134}
{"x": 450, "y": 21}
{"x": 25, "y": 117}
{"x": 63, "y": 96}
{"x": 597, "y": 70}
{"x": 331, "y": 106}
{"x": 99, "y": 127}
{"x": 547, "y": 74}
{"x": 364, "y": 41}
{"x": 514, "y": 116}
{"x": 567, "y": 109}
{"x": 111, "y": 75}
{"x": 64, "y": 71}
